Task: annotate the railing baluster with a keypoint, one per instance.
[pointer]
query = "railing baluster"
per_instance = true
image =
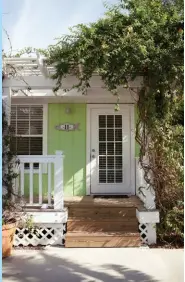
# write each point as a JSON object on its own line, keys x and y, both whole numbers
{"x": 15, "y": 183}
{"x": 31, "y": 183}
{"x": 49, "y": 183}
{"x": 58, "y": 181}
{"x": 22, "y": 178}
{"x": 40, "y": 183}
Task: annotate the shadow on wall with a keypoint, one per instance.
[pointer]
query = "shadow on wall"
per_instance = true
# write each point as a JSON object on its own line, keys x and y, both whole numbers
{"x": 78, "y": 181}
{"x": 75, "y": 186}
{"x": 47, "y": 268}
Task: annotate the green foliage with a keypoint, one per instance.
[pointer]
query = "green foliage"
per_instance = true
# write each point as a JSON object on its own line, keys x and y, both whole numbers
{"x": 172, "y": 225}
{"x": 138, "y": 38}
{"x": 123, "y": 45}
{"x": 8, "y": 158}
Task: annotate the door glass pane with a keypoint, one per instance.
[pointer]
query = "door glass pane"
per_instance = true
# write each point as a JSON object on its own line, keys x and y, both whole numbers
{"x": 102, "y": 162}
{"x": 102, "y": 176}
{"x": 110, "y": 121}
{"x": 110, "y": 134}
{"x": 110, "y": 176}
{"x": 118, "y": 121}
{"x": 118, "y": 134}
{"x": 102, "y": 148}
{"x": 102, "y": 134}
{"x": 102, "y": 121}
{"x": 118, "y": 148}
{"x": 110, "y": 149}
{"x": 119, "y": 162}
{"x": 119, "y": 176}
{"x": 110, "y": 162}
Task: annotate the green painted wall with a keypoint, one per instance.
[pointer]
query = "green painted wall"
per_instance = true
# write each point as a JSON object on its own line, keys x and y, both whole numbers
{"x": 72, "y": 143}
{"x": 36, "y": 184}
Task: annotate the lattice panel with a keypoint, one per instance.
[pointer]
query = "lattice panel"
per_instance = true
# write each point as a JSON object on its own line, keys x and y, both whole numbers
{"x": 42, "y": 235}
{"x": 143, "y": 229}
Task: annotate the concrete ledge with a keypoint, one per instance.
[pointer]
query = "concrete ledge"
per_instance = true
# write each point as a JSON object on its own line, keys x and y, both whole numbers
{"x": 146, "y": 216}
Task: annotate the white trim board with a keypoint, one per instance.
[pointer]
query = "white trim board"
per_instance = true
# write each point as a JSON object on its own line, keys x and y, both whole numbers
{"x": 88, "y": 143}
{"x": 94, "y": 95}
{"x": 40, "y": 82}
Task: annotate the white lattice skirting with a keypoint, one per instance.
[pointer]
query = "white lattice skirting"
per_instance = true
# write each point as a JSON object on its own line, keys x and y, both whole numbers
{"x": 41, "y": 235}
{"x": 48, "y": 228}
{"x": 147, "y": 225}
{"x": 143, "y": 229}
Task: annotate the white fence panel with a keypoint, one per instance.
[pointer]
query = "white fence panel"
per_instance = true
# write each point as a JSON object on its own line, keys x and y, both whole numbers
{"x": 38, "y": 165}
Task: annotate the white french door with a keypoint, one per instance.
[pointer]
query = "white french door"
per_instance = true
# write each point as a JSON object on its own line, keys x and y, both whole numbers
{"x": 110, "y": 150}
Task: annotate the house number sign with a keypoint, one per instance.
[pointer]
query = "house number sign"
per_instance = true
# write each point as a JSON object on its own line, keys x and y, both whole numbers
{"x": 68, "y": 126}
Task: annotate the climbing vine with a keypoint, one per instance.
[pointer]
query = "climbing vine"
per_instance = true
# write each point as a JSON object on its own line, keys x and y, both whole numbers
{"x": 9, "y": 207}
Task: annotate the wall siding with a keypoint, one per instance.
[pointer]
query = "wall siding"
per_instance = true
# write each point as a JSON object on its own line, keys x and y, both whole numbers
{"x": 72, "y": 143}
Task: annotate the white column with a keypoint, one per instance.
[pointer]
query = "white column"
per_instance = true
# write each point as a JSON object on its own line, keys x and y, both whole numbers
{"x": 149, "y": 219}
{"x": 58, "y": 181}
{"x": 145, "y": 193}
{"x": 152, "y": 238}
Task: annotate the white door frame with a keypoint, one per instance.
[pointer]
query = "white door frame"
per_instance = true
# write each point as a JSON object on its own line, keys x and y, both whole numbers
{"x": 88, "y": 139}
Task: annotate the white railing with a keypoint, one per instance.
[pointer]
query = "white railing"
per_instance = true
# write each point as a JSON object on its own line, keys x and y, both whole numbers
{"x": 44, "y": 166}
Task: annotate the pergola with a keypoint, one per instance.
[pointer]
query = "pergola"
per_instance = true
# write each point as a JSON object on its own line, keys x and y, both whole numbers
{"x": 30, "y": 78}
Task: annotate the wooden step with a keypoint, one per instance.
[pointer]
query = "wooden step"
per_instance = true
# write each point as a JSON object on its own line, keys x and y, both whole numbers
{"x": 101, "y": 226}
{"x": 106, "y": 219}
{"x": 101, "y": 212}
{"x": 102, "y": 239}
{"x": 89, "y": 201}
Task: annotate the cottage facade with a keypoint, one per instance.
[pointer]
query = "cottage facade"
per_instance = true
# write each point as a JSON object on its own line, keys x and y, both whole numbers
{"x": 72, "y": 145}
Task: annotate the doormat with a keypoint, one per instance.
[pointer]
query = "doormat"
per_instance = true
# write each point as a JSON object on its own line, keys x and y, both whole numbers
{"x": 112, "y": 196}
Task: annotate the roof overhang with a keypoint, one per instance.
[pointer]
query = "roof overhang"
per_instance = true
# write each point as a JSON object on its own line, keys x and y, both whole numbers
{"x": 31, "y": 77}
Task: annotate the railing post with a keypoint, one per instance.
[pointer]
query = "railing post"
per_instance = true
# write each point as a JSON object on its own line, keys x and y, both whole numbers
{"x": 15, "y": 181}
{"x": 58, "y": 181}
{"x": 146, "y": 195}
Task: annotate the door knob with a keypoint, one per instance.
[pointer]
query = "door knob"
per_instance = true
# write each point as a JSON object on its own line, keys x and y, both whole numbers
{"x": 92, "y": 156}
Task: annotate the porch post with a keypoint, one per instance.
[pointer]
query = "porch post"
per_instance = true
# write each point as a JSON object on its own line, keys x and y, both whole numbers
{"x": 146, "y": 195}
{"x": 152, "y": 236}
{"x": 147, "y": 224}
{"x": 150, "y": 215}
{"x": 58, "y": 181}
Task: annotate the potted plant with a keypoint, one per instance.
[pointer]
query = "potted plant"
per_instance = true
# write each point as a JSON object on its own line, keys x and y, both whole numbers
{"x": 9, "y": 223}
{"x": 10, "y": 209}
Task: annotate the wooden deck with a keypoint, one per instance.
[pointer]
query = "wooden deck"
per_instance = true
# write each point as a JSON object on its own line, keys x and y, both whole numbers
{"x": 100, "y": 201}
{"x": 106, "y": 201}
